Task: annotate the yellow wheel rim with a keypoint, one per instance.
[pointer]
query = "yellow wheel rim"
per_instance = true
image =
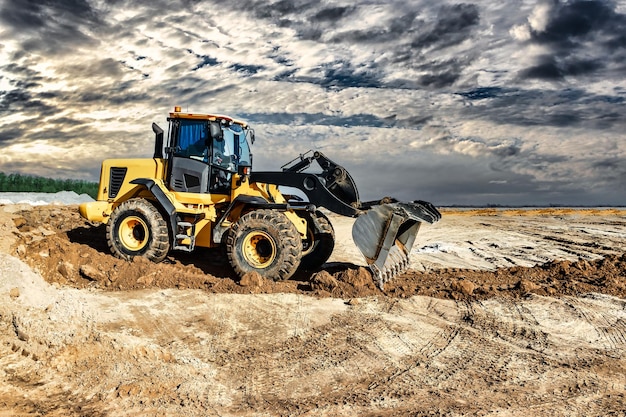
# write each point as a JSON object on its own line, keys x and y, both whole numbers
{"x": 259, "y": 249}
{"x": 134, "y": 233}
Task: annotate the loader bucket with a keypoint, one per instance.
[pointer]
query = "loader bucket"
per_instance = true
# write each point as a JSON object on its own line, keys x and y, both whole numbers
{"x": 385, "y": 235}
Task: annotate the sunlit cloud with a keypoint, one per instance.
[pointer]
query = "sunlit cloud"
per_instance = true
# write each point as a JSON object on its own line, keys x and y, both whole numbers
{"x": 474, "y": 103}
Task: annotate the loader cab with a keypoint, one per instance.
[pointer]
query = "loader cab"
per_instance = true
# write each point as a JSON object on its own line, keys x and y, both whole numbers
{"x": 205, "y": 151}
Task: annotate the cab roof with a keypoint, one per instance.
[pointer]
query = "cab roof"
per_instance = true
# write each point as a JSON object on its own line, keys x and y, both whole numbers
{"x": 203, "y": 116}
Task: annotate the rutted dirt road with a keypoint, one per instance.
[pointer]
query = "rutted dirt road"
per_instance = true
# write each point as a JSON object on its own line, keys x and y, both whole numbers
{"x": 505, "y": 313}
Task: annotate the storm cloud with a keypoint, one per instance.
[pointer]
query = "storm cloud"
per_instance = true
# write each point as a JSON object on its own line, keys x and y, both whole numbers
{"x": 468, "y": 102}
{"x": 580, "y": 37}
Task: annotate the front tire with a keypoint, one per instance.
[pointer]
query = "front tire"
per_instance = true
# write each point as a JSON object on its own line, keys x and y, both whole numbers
{"x": 264, "y": 241}
{"x": 137, "y": 228}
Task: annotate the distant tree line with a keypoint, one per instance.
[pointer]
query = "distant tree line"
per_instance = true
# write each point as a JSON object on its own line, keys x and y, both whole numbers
{"x": 31, "y": 184}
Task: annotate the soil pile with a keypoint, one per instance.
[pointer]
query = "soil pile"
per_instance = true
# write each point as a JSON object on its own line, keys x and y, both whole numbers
{"x": 68, "y": 250}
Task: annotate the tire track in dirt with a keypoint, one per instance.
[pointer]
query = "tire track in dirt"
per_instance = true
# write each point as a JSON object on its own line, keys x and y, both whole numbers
{"x": 303, "y": 368}
{"x": 480, "y": 347}
{"x": 495, "y": 348}
{"x": 512, "y": 324}
{"x": 573, "y": 237}
{"x": 610, "y": 328}
{"x": 474, "y": 347}
{"x": 464, "y": 355}
{"x": 574, "y": 377}
{"x": 577, "y": 239}
{"x": 359, "y": 343}
{"x": 417, "y": 353}
{"x": 511, "y": 237}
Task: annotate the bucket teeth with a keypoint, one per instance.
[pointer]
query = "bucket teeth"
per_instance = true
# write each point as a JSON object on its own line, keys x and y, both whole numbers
{"x": 396, "y": 264}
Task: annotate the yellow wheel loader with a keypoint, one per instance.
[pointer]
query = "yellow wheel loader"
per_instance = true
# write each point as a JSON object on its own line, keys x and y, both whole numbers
{"x": 199, "y": 190}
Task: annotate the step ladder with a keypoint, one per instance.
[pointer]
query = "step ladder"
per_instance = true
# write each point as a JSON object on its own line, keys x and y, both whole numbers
{"x": 185, "y": 231}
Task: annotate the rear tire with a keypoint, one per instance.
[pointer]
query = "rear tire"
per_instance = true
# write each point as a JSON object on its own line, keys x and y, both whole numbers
{"x": 137, "y": 228}
{"x": 319, "y": 244}
{"x": 264, "y": 241}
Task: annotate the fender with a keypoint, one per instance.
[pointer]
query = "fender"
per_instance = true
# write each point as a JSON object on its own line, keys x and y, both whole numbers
{"x": 161, "y": 198}
{"x": 253, "y": 201}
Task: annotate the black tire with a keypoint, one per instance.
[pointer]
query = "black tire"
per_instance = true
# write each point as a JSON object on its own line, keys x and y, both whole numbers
{"x": 137, "y": 228}
{"x": 319, "y": 244}
{"x": 265, "y": 241}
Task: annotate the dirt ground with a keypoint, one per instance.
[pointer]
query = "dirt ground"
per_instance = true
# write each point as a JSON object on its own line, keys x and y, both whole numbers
{"x": 504, "y": 312}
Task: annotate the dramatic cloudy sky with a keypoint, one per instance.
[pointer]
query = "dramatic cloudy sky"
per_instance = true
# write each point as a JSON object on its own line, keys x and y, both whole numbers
{"x": 478, "y": 102}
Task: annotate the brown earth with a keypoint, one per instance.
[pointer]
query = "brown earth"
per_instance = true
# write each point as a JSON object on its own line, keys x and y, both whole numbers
{"x": 104, "y": 337}
{"x": 68, "y": 250}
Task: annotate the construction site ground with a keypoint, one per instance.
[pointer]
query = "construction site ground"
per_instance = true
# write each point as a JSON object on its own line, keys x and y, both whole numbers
{"x": 504, "y": 312}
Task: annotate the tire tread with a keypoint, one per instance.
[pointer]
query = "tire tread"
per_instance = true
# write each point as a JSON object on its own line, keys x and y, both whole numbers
{"x": 160, "y": 245}
{"x": 289, "y": 243}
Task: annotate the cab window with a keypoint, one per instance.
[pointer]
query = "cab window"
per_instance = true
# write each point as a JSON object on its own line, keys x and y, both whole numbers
{"x": 192, "y": 140}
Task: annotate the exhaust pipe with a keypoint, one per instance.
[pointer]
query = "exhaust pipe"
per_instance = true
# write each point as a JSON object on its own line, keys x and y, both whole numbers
{"x": 158, "y": 141}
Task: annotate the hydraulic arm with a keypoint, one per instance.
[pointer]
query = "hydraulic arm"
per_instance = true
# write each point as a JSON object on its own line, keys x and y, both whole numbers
{"x": 384, "y": 230}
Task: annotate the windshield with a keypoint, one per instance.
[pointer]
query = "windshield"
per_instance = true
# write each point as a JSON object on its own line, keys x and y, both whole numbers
{"x": 245, "y": 156}
{"x": 228, "y": 149}
{"x": 233, "y": 149}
